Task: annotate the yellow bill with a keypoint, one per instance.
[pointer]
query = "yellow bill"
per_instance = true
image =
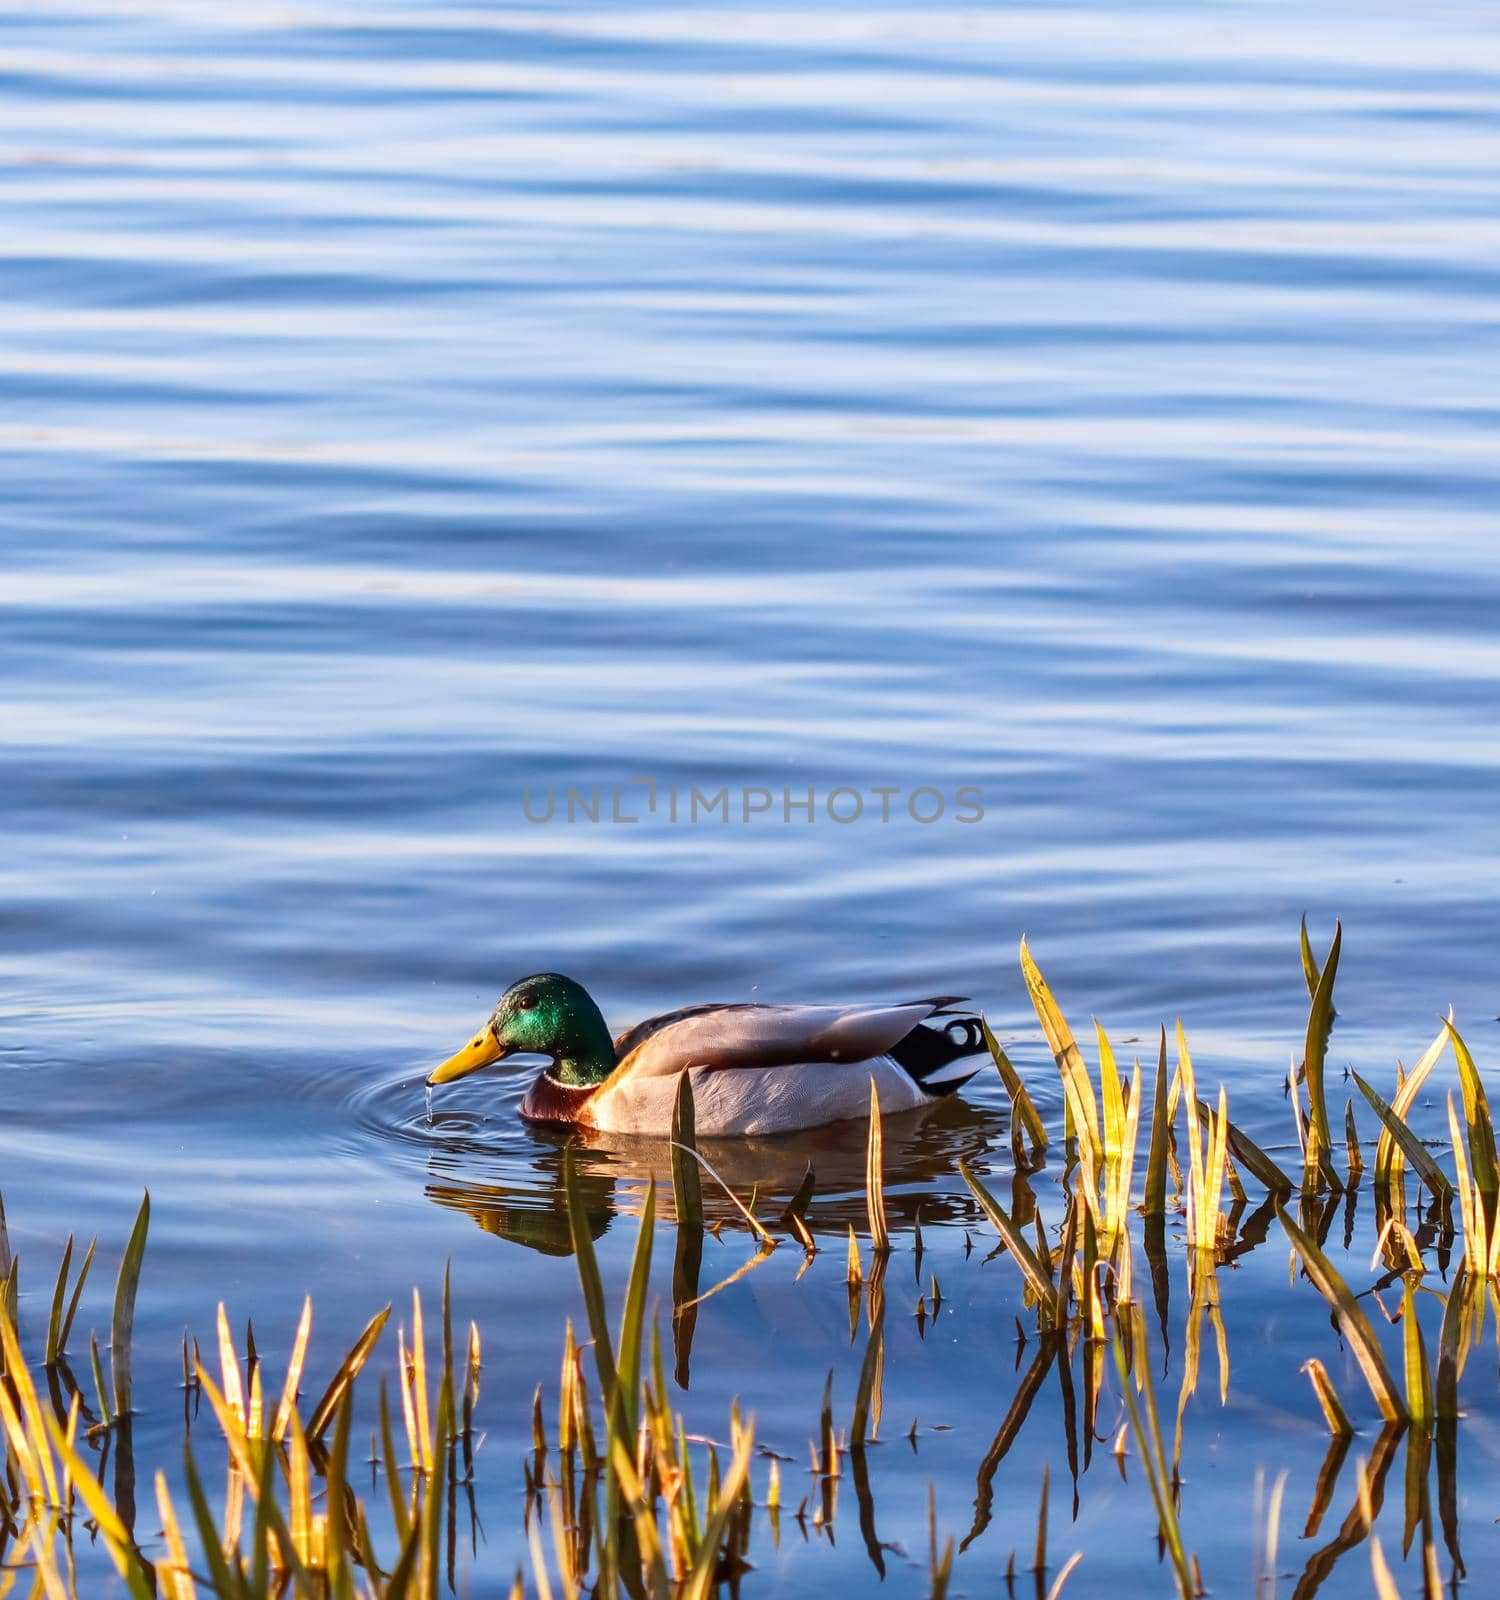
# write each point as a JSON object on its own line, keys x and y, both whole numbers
{"x": 479, "y": 1052}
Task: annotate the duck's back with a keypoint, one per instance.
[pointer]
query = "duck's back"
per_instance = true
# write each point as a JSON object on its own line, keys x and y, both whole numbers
{"x": 777, "y": 1068}
{"x": 766, "y": 1036}
{"x": 732, "y": 1101}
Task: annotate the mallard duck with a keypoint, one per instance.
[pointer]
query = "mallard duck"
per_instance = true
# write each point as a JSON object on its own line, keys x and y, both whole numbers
{"x": 755, "y": 1068}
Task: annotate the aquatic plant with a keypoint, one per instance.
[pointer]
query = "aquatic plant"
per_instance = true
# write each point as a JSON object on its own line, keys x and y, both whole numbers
{"x": 269, "y": 1538}
{"x": 624, "y": 1499}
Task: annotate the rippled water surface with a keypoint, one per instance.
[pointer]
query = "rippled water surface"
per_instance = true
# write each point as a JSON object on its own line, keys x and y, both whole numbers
{"x": 406, "y": 407}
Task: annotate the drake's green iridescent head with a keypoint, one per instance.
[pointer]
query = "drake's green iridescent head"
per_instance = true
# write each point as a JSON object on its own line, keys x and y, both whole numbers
{"x": 546, "y": 1015}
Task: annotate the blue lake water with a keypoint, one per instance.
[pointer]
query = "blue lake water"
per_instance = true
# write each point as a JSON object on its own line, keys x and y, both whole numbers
{"x": 403, "y": 408}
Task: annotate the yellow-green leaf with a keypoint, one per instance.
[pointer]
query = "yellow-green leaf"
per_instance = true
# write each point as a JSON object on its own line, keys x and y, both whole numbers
{"x": 1477, "y": 1115}
{"x": 1076, "y": 1084}
{"x": 1037, "y": 1275}
{"x": 1351, "y": 1319}
{"x": 1407, "y": 1142}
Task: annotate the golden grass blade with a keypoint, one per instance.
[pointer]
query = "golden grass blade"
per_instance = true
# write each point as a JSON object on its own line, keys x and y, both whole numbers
{"x": 1088, "y": 1278}
{"x": 1038, "y": 1276}
{"x": 1236, "y": 1183}
{"x": 54, "y": 1321}
{"x": 299, "y": 1492}
{"x": 565, "y": 1401}
{"x": 294, "y": 1368}
{"x": 1453, "y": 1343}
{"x": 1310, "y": 972}
{"x": 1334, "y": 1414}
{"x": 31, "y": 1434}
{"x": 880, "y": 1239}
{"x": 446, "y": 1376}
{"x": 561, "y": 1545}
{"x": 794, "y": 1217}
{"x": 1351, "y": 1319}
{"x": 22, "y": 1448}
{"x": 339, "y": 1577}
{"x": 1118, "y": 1206}
{"x": 254, "y": 1407}
{"x": 231, "y": 1427}
{"x": 1111, "y": 1097}
{"x": 1077, "y": 1087}
{"x": 1387, "y": 1152}
{"x": 473, "y": 1366}
{"x": 117, "y": 1540}
{"x": 264, "y": 1555}
{"x": 1404, "y": 1140}
{"x": 1021, "y": 1103}
{"x": 271, "y": 1543}
{"x": 349, "y": 1369}
{"x": 1319, "y": 1026}
{"x": 101, "y": 1391}
{"x": 1418, "y": 1373}
{"x": 1477, "y": 1115}
{"x": 74, "y": 1298}
{"x": 174, "y": 1573}
{"x": 229, "y": 1368}
{"x": 1351, "y": 1143}
{"x": 408, "y": 1406}
{"x": 1471, "y": 1204}
{"x": 1124, "y": 1266}
{"x": 124, "y": 1315}
{"x": 1067, "y": 1255}
{"x": 1195, "y": 1181}
{"x": 395, "y": 1491}
{"x": 1156, "y": 1159}
{"x": 687, "y": 1188}
{"x": 209, "y": 1540}
{"x": 702, "y": 1579}
{"x": 419, "y": 1384}
{"x": 1316, "y": 1167}
{"x": 1214, "y": 1177}
{"x": 589, "y": 1280}
{"x": 406, "y": 1581}
{"x": 632, "y": 1320}
{"x": 855, "y": 1274}
{"x": 1148, "y": 1442}
{"x": 689, "y": 1497}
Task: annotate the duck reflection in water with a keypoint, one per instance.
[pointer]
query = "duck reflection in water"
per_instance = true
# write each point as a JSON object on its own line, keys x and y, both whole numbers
{"x": 613, "y": 1172}
{"x": 529, "y": 1206}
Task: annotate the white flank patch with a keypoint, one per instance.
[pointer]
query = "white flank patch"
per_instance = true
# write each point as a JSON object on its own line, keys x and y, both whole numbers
{"x": 756, "y": 1100}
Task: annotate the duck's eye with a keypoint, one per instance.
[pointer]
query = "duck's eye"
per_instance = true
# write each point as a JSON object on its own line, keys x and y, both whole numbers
{"x": 527, "y": 1002}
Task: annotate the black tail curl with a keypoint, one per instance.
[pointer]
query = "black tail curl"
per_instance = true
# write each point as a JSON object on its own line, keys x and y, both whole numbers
{"x": 930, "y": 1053}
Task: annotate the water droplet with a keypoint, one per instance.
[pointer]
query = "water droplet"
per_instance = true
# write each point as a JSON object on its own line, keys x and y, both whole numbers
{"x": 429, "y": 1104}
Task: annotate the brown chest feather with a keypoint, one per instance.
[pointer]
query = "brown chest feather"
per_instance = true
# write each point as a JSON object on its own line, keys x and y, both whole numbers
{"x": 547, "y": 1100}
